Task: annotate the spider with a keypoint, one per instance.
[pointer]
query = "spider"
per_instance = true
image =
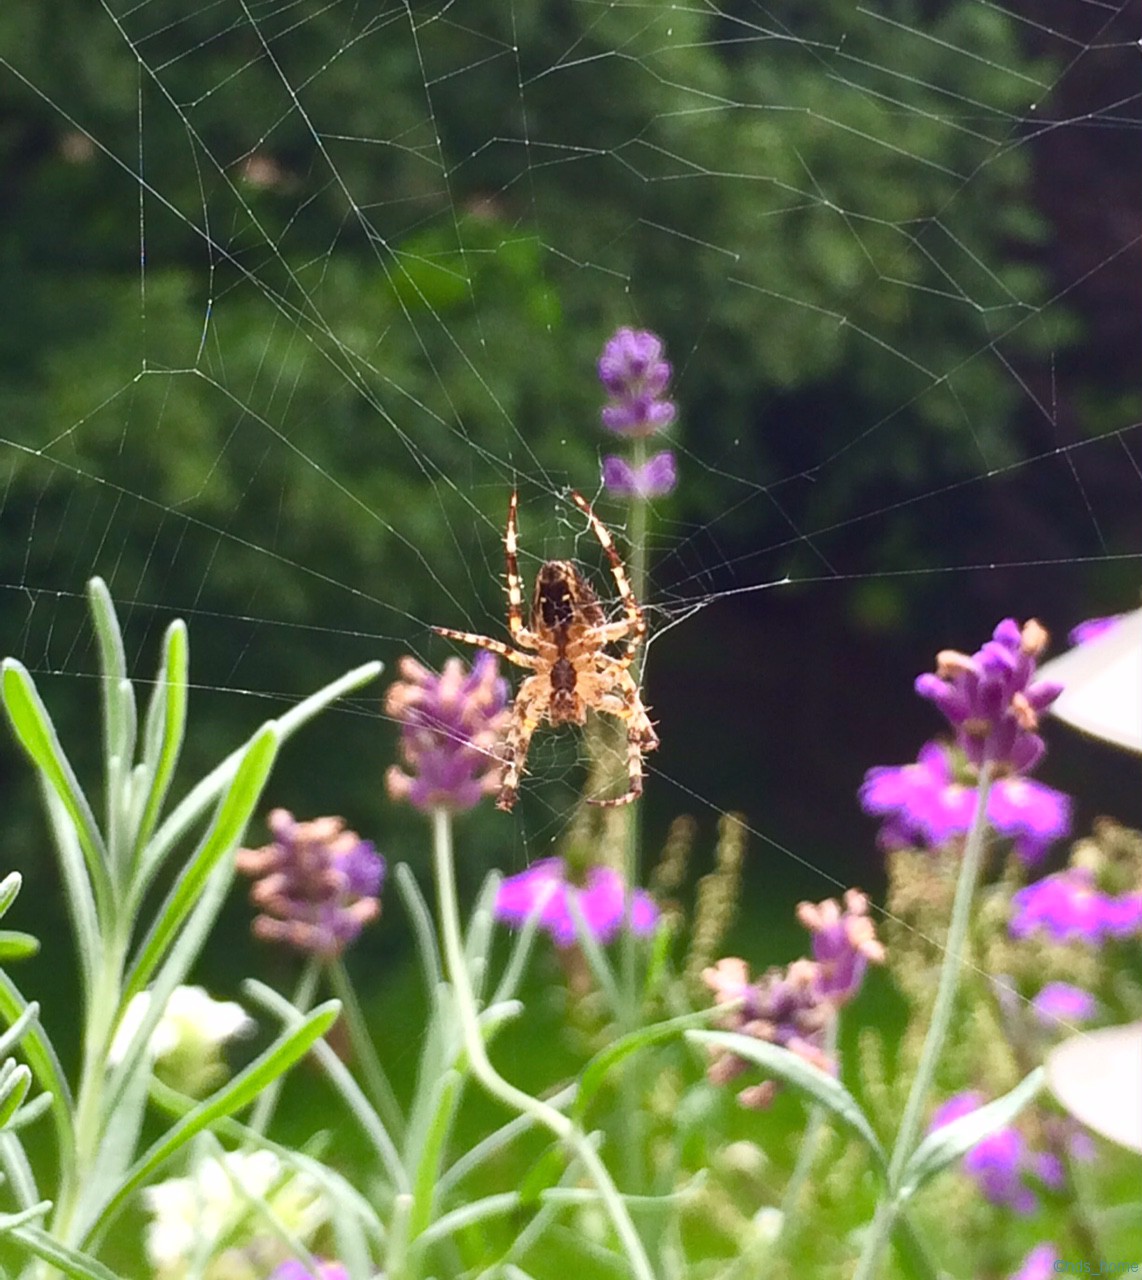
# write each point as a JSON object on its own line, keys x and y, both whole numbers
{"x": 564, "y": 646}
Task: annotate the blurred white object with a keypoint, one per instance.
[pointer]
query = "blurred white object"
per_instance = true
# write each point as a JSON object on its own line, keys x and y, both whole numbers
{"x": 1097, "y": 1077}
{"x": 1102, "y": 681}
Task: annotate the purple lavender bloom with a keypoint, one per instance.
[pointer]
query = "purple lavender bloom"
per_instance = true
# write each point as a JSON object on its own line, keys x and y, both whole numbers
{"x": 925, "y": 806}
{"x": 657, "y": 476}
{"x": 1093, "y": 628}
{"x": 632, "y": 370}
{"x": 1001, "y": 1163}
{"x": 989, "y": 697}
{"x": 843, "y": 944}
{"x": 786, "y": 1007}
{"x": 317, "y": 885}
{"x": 1067, "y": 906}
{"x": 451, "y": 727}
{"x": 1039, "y": 1264}
{"x": 544, "y": 888}
{"x": 1061, "y": 1001}
{"x": 294, "y": 1270}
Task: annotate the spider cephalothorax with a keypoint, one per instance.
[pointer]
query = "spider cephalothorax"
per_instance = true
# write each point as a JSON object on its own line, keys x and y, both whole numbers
{"x": 565, "y": 645}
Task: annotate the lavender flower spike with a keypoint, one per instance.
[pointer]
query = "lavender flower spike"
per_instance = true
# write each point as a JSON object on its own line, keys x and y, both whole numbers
{"x": 451, "y": 727}
{"x": 635, "y": 375}
{"x": 657, "y": 476}
{"x": 844, "y": 942}
{"x": 990, "y": 700}
{"x": 317, "y": 885}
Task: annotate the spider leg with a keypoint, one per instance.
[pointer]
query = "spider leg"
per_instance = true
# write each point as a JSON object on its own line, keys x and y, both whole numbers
{"x": 625, "y": 701}
{"x": 635, "y": 622}
{"x": 528, "y": 710}
{"x": 531, "y": 661}
{"x": 511, "y": 554}
{"x": 626, "y": 705}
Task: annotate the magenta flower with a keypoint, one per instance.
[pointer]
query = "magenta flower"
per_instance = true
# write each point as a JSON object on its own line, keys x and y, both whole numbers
{"x": 451, "y": 727}
{"x": 657, "y": 476}
{"x": 1002, "y": 1165}
{"x": 635, "y": 375}
{"x": 990, "y": 699}
{"x": 1061, "y": 1001}
{"x": 1093, "y": 628}
{"x": 317, "y": 885}
{"x": 294, "y": 1270}
{"x": 1039, "y": 1264}
{"x": 843, "y": 944}
{"x": 544, "y": 888}
{"x": 925, "y": 806}
{"x": 1068, "y": 906}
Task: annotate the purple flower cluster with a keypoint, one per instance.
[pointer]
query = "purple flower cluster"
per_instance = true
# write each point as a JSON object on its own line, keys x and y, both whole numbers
{"x": 926, "y": 805}
{"x": 793, "y": 1007}
{"x": 1068, "y": 906}
{"x": 635, "y": 376}
{"x": 544, "y": 889}
{"x": 451, "y": 727}
{"x": 843, "y": 944}
{"x": 317, "y": 885}
{"x": 1002, "y": 1164}
{"x": 991, "y": 700}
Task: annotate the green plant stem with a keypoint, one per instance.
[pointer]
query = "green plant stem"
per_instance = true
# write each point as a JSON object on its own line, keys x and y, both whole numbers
{"x": 814, "y": 1128}
{"x": 628, "y": 1090}
{"x": 302, "y": 1001}
{"x": 364, "y": 1050}
{"x": 555, "y": 1121}
{"x": 909, "y": 1132}
{"x": 100, "y": 1027}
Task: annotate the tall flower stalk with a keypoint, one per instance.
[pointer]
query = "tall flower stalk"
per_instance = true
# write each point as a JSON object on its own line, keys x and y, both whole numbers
{"x": 992, "y": 703}
{"x": 450, "y": 725}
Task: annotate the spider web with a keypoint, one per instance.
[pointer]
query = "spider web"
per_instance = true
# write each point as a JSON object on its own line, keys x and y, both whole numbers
{"x": 325, "y": 281}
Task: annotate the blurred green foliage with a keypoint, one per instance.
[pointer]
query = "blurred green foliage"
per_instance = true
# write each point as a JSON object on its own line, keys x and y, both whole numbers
{"x": 382, "y": 247}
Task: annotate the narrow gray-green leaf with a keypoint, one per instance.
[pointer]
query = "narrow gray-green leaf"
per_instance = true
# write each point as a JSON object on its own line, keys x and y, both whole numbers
{"x": 36, "y": 734}
{"x": 802, "y": 1076}
{"x": 165, "y": 728}
{"x": 15, "y": 945}
{"x": 112, "y": 667}
{"x": 445, "y": 1090}
{"x": 239, "y": 1092}
{"x": 70, "y": 1261}
{"x": 14, "y": 1084}
{"x": 342, "y": 1080}
{"x": 19, "y": 1027}
{"x": 596, "y": 1070}
{"x": 9, "y": 890}
{"x": 41, "y": 1057}
{"x": 200, "y": 797}
{"x": 952, "y": 1140}
{"x": 229, "y": 823}
{"x": 426, "y": 947}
